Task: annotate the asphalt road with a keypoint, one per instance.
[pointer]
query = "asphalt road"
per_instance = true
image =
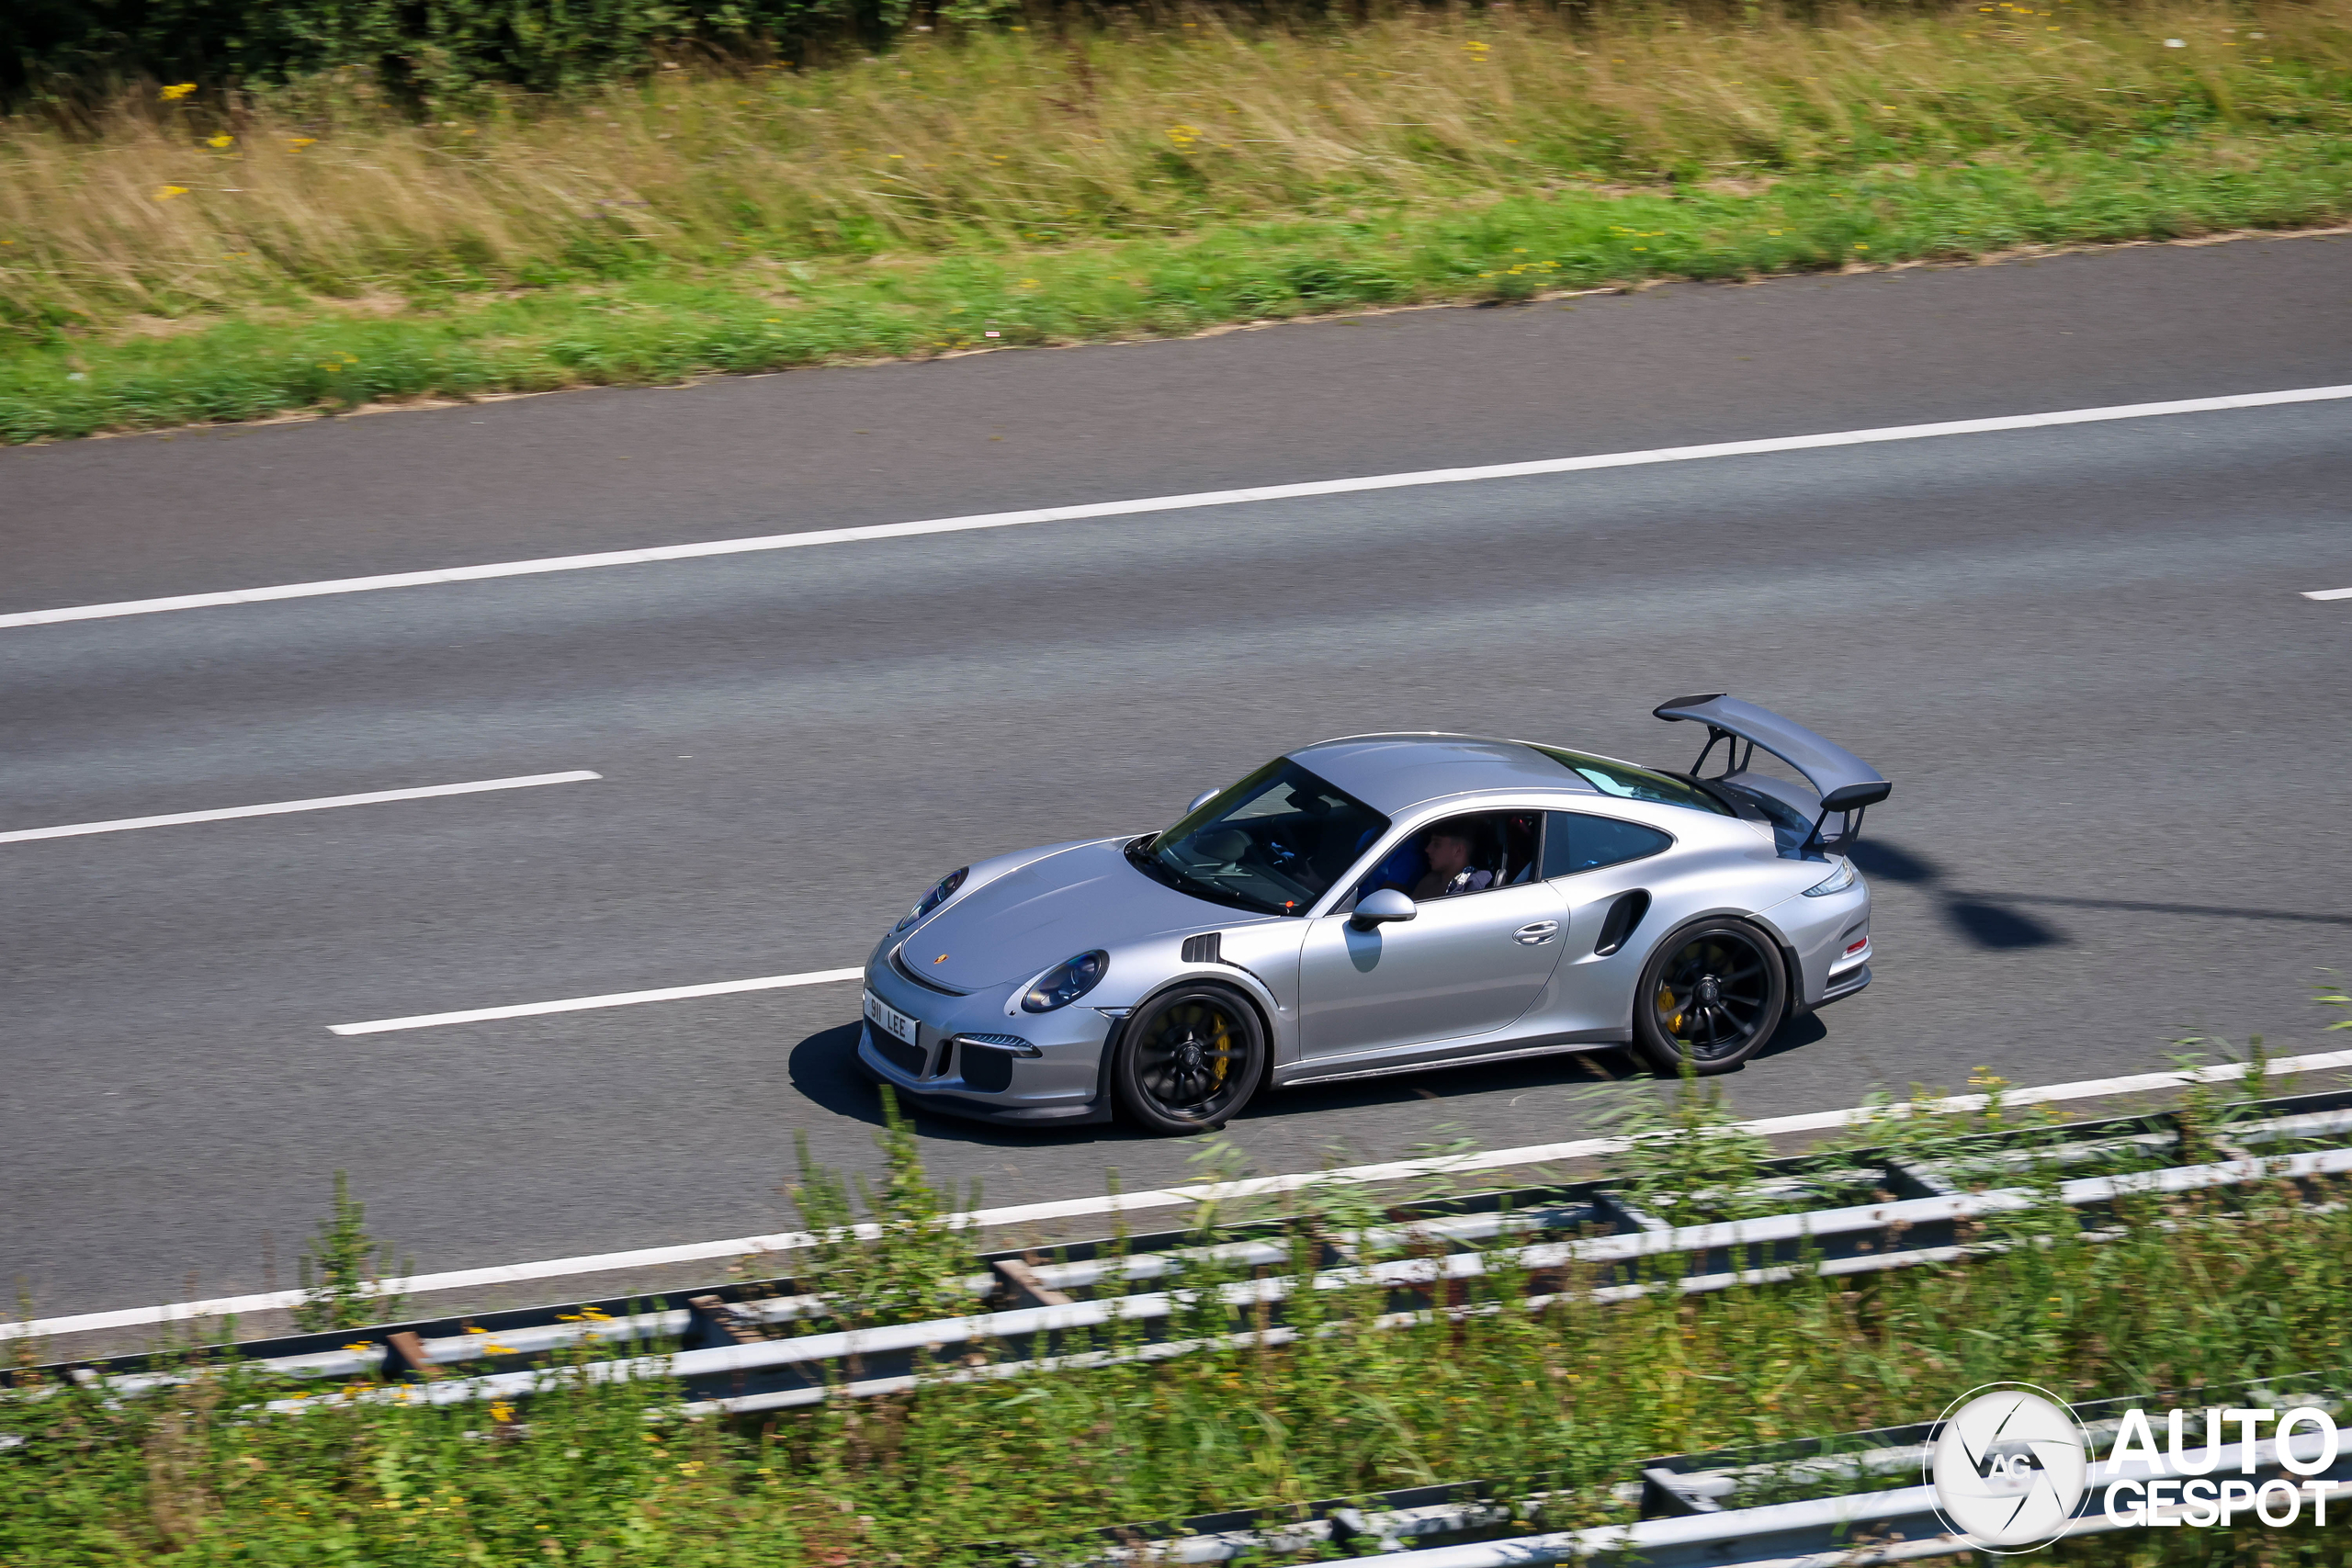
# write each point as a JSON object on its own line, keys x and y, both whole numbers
{"x": 2118, "y": 732}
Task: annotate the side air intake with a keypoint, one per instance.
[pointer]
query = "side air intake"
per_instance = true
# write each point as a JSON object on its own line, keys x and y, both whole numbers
{"x": 1203, "y": 948}
{"x": 1623, "y": 915}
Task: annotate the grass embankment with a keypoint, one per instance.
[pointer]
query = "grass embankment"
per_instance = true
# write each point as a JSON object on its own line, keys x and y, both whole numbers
{"x": 207, "y": 258}
{"x": 2200, "y": 1290}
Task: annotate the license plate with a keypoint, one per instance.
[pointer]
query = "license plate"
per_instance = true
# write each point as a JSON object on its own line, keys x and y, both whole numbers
{"x": 889, "y": 1019}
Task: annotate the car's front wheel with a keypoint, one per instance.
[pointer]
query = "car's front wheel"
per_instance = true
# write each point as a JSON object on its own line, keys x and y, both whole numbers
{"x": 1190, "y": 1058}
{"x": 1711, "y": 996}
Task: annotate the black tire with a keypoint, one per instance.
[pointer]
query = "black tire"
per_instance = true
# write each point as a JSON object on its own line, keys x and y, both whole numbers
{"x": 1712, "y": 994}
{"x": 1190, "y": 1058}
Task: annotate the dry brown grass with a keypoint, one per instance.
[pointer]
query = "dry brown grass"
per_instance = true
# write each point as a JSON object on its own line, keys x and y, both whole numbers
{"x": 1010, "y": 141}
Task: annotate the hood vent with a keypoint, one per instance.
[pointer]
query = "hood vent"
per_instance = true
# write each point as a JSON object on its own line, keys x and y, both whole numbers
{"x": 1203, "y": 948}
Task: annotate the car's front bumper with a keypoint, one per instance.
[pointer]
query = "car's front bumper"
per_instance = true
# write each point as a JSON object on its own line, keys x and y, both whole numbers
{"x": 1845, "y": 983}
{"x": 1062, "y": 1082}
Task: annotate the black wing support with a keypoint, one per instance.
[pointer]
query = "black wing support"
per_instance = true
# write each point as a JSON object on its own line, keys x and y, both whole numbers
{"x": 1843, "y": 784}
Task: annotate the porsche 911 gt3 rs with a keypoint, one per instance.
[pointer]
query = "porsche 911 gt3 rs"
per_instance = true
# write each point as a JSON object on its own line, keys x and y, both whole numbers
{"x": 1381, "y": 904}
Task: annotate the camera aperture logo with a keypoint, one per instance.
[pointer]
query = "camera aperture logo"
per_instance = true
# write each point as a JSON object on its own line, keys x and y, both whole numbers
{"x": 2009, "y": 1464}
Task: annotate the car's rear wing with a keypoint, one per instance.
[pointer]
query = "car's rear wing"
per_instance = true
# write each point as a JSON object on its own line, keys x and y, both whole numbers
{"x": 1843, "y": 784}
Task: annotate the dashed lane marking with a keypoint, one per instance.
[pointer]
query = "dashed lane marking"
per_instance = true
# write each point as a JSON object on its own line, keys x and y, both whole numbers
{"x": 1178, "y": 503}
{"x": 279, "y": 807}
{"x": 583, "y": 1004}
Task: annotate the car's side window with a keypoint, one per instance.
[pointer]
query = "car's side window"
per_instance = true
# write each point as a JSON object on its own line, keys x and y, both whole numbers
{"x": 1469, "y": 853}
{"x": 1574, "y": 842}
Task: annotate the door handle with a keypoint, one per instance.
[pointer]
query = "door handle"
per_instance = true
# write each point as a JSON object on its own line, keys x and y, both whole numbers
{"x": 1536, "y": 933}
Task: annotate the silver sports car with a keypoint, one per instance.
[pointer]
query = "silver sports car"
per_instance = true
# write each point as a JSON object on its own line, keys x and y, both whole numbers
{"x": 1381, "y": 904}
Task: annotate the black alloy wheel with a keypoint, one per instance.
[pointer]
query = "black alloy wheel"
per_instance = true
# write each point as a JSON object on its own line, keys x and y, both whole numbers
{"x": 1711, "y": 996}
{"x": 1190, "y": 1058}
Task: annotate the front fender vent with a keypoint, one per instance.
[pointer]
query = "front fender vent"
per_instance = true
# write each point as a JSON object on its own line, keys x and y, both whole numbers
{"x": 1205, "y": 949}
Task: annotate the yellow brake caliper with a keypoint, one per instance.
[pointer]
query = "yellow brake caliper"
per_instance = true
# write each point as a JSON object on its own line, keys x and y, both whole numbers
{"x": 1224, "y": 1047}
{"x": 1668, "y": 1009}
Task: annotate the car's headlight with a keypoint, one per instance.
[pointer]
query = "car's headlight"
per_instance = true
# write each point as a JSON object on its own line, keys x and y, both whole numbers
{"x": 1835, "y": 881}
{"x": 941, "y": 891}
{"x": 1066, "y": 982}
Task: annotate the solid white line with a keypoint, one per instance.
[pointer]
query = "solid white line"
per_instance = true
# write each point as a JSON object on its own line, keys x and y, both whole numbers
{"x": 1178, "y": 504}
{"x": 1169, "y": 1197}
{"x": 2331, "y": 593}
{"x": 582, "y": 1004}
{"x": 278, "y": 809}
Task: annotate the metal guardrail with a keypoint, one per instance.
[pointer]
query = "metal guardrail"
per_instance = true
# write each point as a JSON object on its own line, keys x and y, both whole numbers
{"x": 1893, "y": 1526}
{"x": 746, "y": 1347}
{"x": 801, "y": 1364}
{"x": 743, "y": 1349}
{"x": 1730, "y": 1508}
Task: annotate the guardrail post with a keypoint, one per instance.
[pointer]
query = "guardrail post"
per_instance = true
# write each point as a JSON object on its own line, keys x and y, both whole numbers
{"x": 1019, "y": 1285}
{"x": 720, "y": 1320}
{"x": 1666, "y": 1492}
{"x": 408, "y": 1355}
{"x": 1610, "y": 1201}
{"x": 1913, "y": 1179}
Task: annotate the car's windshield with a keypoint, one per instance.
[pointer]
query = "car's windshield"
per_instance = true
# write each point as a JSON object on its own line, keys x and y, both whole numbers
{"x": 1629, "y": 783}
{"x": 1275, "y": 842}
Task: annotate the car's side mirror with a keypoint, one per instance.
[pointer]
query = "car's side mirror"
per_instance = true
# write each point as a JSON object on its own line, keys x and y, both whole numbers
{"x": 1379, "y": 909}
{"x": 1199, "y": 800}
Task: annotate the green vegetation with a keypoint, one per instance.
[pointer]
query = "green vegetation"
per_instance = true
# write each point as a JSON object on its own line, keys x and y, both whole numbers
{"x": 342, "y": 1273}
{"x": 229, "y": 255}
{"x": 426, "y": 54}
{"x": 2197, "y": 1290}
{"x": 904, "y": 1272}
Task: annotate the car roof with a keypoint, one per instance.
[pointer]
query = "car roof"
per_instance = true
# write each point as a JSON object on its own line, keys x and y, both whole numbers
{"x": 1395, "y": 772}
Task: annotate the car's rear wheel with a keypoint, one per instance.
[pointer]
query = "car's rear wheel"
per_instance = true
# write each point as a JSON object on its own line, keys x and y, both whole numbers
{"x": 1711, "y": 996}
{"x": 1190, "y": 1058}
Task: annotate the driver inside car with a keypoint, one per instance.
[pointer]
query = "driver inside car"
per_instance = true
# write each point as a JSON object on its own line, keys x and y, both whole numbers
{"x": 1448, "y": 848}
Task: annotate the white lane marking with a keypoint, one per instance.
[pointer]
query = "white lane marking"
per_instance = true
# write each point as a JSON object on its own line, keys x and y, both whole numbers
{"x": 1169, "y": 1197}
{"x": 1177, "y": 504}
{"x": 278, "y": 809}
{"x": 582, "y": 1004}
{"x": 2331, "y": 593}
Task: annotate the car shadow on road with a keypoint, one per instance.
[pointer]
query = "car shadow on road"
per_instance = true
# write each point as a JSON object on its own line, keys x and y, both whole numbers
{"x": 1984, "y": 920}
{"x": 1566, "y": 1070}
{"x": 1793, "y": 1034}
{"x": 823, "y": 1070}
